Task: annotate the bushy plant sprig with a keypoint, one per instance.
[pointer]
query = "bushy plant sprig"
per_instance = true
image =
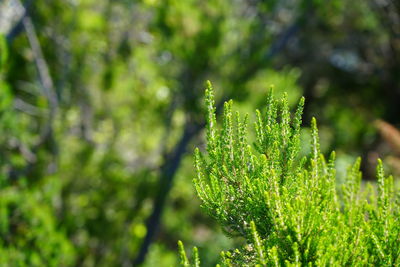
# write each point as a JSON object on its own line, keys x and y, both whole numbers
{"x": 288, "y": 208}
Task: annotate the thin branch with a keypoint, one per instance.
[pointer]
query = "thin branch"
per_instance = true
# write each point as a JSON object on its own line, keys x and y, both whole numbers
{"x": 49, "y": 92}
{"x": 41, "y": 65}
{"x": 27, "y": 108}
{"x": 168, "y": 170}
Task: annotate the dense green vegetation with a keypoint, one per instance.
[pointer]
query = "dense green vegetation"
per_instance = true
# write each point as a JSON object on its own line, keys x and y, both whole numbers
{"x": 286, "y": 208}
{"x": 101, "y": 106}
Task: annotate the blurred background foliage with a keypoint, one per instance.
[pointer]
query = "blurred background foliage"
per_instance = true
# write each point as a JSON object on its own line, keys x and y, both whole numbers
{"x": 101, "y": 107}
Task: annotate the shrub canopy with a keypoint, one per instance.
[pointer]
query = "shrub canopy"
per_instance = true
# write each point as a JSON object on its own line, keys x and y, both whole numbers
{"x": 288, "y": 209}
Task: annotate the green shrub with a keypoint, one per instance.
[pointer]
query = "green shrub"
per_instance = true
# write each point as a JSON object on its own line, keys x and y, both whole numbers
{"x": 29, "y": 232}
{"x": 286, "y": 208}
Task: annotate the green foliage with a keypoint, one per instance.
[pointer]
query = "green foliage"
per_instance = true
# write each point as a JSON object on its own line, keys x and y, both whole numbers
{"x": 184, "y": 259}
{"x": 288, "y": 209}
{"x": 3, "y": 51}
{"x": 128, "y": 78}
{"x": 29, "y": 232}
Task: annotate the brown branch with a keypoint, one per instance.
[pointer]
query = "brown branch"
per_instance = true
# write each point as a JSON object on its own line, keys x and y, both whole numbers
{"x": 390, "y": 134}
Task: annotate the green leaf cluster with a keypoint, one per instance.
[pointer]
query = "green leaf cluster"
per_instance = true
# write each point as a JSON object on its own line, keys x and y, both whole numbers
{"x": 29, "y": 232}
{"x": 288, "y": 209}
